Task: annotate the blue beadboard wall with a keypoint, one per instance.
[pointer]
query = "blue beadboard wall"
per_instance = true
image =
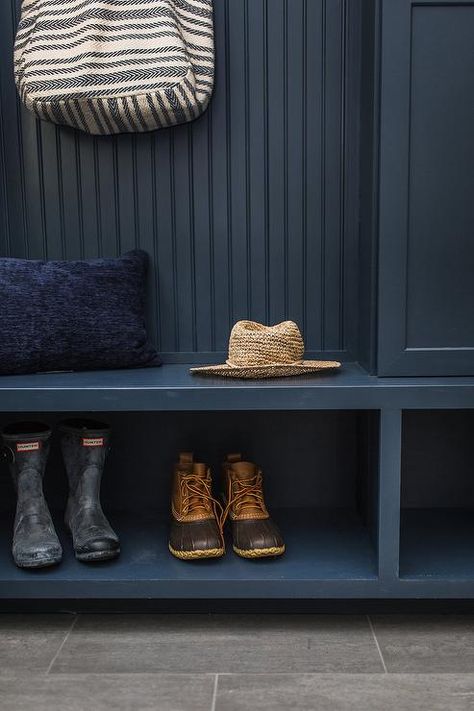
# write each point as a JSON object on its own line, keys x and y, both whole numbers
{"x": 249, "y": 212}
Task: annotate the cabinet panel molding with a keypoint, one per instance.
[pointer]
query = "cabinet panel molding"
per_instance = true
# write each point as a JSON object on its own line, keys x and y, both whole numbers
{"x": 426, "y": 206}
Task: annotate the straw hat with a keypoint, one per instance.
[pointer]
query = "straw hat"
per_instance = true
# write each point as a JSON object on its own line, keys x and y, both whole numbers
{"x": 257, "y": 351}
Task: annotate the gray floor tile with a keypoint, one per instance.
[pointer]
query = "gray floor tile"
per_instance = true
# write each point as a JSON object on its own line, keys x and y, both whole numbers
{"x": 345, "y": 692}
{"x": 426, "y": 643}
{"x": 219, "y": 643}
{"x": 29, "y": 642}
{"x": 123, "y": 692}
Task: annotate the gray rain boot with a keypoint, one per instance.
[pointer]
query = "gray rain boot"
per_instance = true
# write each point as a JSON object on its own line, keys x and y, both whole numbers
{"x": 84, "y": 445}
{"x": 35, "y": 543}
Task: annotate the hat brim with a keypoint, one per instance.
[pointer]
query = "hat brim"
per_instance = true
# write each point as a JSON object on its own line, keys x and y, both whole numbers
{"x": 267, "y": 371}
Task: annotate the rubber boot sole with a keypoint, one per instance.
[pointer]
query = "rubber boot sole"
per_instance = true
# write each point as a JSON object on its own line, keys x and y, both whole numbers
{"x": 260, "y": 552}
{"x": 197, "y": 554}
{"x": 97, "y": 556}
{"x": 38, "y": 563}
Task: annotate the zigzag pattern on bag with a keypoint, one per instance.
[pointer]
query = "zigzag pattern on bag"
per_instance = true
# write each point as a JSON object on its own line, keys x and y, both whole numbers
{"x": 115, "y": 66}
{"x": 98, "y": 38}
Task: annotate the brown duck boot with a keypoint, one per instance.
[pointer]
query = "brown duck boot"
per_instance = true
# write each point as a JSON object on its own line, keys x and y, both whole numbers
{"x": 196, "y": 531}
{"x": 254, "y": 533}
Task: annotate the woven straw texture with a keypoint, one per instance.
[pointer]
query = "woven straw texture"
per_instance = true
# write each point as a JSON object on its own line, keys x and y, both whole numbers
{"x": 258, "y": 351}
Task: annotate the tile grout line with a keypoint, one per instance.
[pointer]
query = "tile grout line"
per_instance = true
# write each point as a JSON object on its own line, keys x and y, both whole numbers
{"x": 377, "y": 644}
{"x": 214, "y": 693}
{"x": 66, "y": 637}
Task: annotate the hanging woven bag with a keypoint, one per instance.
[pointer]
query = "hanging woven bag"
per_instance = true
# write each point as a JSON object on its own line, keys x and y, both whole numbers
{"x": 115, "y": 66}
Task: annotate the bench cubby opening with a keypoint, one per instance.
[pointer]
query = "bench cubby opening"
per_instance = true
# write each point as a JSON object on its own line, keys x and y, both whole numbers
{"x": 321, "y": 486}
{"x": 437, "y": 495}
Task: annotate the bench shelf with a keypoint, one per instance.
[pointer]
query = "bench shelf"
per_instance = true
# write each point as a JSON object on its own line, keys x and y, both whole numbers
{"x": 171, "y": 387}
{"x": 361, "y": 514}
{"x": 329, "y": 552}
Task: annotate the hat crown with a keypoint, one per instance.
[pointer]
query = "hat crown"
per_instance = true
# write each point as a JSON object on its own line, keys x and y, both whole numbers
{"x": 253, "y": 344}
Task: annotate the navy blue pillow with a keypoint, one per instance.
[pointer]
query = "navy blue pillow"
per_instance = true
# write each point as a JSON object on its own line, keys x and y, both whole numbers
{"x": 78, "y": 315}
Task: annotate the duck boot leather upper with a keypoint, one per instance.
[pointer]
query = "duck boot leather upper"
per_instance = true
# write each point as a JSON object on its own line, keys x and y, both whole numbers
{"x": 254, "y": 533}
{"x": 26, "y": 448}
{"x": 84, "y": 444}
{"x": 195, "y": 530}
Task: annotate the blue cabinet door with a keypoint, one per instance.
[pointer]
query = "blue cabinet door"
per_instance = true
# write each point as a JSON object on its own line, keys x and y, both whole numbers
{"x": 426, "y": 204}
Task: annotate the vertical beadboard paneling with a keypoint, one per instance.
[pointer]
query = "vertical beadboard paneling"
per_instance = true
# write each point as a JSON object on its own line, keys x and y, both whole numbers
{"x": 90, "y": 195}
{"x": 33, "y": 179}
{"x": 219, "y": 115}
{"x": 333, "y": 133}
{"x": 243, "y": 212}
{"x": 256, "y": 147}
{"x": 313, "y": 167}
{"x": 4, "y": 225}
{"x": 238, "y": 155}
{"x": 165, "y": 230}
{"x": 202, "y": 237}
{"x": 295, "y": 186}
{"x": 12, "y": 174}
{"x": 106, "y": 181}
{"x": 71, "y": 201}
{"x": 145, "y": 220}
{"x": 276, "y": 155}
{"x": 50, "y": 167}
{"x": 183, "y": 238}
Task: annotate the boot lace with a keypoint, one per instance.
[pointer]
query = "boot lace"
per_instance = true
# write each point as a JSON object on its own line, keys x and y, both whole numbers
{"x": 244, "y": 493}
{"x": 196, "y": 493}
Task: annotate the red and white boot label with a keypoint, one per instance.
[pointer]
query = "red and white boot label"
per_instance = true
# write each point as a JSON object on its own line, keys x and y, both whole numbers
{"x": 92, "y": 441}
{"x": 28, "y": 446}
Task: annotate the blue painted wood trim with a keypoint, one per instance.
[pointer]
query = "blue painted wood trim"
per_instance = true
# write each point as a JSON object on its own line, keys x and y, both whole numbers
{"x": 241, "y": 589}
{"x": 369, "y": 183}
{"x": 390, "y": 447}
{"x": 171, "y": 387}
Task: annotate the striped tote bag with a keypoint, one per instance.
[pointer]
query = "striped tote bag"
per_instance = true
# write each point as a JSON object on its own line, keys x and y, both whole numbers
{"x": 115, "y": 66}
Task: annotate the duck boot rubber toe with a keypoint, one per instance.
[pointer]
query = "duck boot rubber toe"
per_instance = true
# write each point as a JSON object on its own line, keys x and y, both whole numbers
{"x": 84, "y": 445}
{"x": 195, "y": 533}
{"x": 257, "y": 538}
{"x": 254, "y": 533}
{"x": 26, "y": 448}
{"x": 195, "y": 539}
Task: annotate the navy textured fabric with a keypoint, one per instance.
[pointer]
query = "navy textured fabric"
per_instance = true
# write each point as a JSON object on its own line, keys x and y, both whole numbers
{"x": 77, "y": 315}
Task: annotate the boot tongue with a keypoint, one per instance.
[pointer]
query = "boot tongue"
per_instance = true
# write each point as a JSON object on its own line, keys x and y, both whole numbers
{"x": 199, "y": 470}
{"x": 241, "y": 471}
{"x": 199, "y": 504}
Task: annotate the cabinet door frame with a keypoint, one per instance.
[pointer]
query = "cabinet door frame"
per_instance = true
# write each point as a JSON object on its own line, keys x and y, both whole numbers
{"x": 394, "y": 357}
